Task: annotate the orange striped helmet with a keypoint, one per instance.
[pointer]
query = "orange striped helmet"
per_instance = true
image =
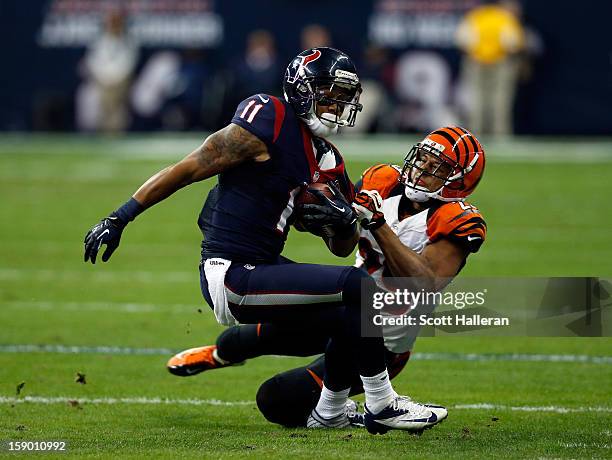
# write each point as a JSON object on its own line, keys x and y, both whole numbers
{"x": 447, "y": 165}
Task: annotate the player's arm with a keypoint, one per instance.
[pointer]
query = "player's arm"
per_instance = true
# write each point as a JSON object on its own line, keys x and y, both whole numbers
{"x": 439, "y": 262}
{"x": 221, "y": 151}
{"x": 343, "y": 246}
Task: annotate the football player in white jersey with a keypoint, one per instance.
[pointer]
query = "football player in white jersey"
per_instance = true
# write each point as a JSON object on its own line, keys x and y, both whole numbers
{"x": 415, "y": 223}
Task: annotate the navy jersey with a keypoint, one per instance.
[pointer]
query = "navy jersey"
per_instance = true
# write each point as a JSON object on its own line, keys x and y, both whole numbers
{"x": 246, "y": 216}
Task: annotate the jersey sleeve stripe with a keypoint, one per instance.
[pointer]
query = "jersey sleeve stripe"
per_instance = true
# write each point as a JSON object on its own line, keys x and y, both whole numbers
{"x": 471, "y": 220}
{"x": 463, "y": 214}
{"x": 279, "y": 117}
{"x": 459, "y": 231}
{"x": 472, "y": 223}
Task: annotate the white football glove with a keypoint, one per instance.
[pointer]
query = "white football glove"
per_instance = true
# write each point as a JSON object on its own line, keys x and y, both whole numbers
{"x": 368, "y": 206}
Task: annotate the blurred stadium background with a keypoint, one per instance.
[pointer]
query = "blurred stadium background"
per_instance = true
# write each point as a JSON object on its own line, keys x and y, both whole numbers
{"x": 184, "y": 64}
{"x": 98, "y": 95}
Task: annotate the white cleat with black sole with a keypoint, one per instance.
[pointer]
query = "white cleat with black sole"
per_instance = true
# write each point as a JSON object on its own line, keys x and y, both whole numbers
{"x": 404, "y": 414}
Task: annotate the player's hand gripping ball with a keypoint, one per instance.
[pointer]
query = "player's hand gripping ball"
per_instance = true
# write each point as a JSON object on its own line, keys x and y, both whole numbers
{"x": 322, "y": 210}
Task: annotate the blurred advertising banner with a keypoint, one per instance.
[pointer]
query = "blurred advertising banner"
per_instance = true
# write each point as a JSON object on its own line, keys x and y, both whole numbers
{"x": 156, "y": 23}
{"x": 417, "y": 23}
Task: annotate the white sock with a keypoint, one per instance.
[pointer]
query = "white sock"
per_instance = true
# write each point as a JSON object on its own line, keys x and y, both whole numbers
{"x": 378, "y": 391}
{"x": 332, "y": 403}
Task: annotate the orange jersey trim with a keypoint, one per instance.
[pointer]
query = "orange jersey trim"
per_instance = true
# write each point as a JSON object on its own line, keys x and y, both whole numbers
{"x": 458, "y": 221}
{"x": 316, "y": 378}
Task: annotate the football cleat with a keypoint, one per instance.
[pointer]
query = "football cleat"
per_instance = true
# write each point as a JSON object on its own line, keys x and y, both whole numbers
{"x": 195, "y": 360}
{"x": 440, "y": 411}
{"x": 352, "y": 413}
{"x": 351, "y": 418}
{"x": 404, "y": 414}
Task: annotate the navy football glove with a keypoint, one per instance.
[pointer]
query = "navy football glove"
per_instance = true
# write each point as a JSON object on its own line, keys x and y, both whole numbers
{"x": 333, "y": 217}
{"x": 107, "y": 232}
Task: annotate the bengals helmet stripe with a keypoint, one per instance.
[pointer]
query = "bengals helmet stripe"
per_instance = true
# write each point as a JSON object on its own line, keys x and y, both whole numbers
{"x": 449, "y": 138}
{"x": 462, "y": 136}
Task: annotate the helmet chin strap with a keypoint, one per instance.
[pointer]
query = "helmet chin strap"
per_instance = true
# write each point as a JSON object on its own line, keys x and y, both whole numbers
{"x": 418, "y": 195}
{"x": 421, "y": 197}
{"x": 319, "y": 127}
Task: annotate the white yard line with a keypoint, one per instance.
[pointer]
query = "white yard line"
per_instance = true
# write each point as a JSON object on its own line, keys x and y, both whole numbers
{"x": 373, "y": 148}
{"x": 27, "y": 274}
{"x": 555, "y": 409}
{"x": 521, "y": 357}
{"x": 124, "y": 307}
{"x": 76, "y": 350}
{"x": 218, "y": 402}
{"x": 473, "y": 357}
{"x": 133, "y": 400}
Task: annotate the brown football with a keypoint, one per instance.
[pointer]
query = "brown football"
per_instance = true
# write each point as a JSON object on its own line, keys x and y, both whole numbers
{"x": 307, "y": 197}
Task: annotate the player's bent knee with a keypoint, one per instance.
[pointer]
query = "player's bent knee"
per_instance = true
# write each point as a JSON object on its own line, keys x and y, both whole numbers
{"x": 288, "y": 398}
{"x": 272, "y": 404}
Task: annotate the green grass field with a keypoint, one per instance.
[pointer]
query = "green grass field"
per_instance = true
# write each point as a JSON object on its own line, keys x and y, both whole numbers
{"x": 545, "y": 218}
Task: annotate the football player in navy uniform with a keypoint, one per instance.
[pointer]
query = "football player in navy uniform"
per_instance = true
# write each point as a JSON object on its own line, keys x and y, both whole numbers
{"x": 408, "y": 217}
{"x": 262, "y": 159}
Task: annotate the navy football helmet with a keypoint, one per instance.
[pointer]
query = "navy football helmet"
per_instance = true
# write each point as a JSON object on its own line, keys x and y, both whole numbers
{"x": 322, "y": 86}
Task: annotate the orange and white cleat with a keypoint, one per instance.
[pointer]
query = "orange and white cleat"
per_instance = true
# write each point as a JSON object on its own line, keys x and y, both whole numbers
{"x": 195, "y": 360}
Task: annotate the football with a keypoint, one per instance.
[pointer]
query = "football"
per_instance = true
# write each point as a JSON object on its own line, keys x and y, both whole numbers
{"x": 306, "y": 196}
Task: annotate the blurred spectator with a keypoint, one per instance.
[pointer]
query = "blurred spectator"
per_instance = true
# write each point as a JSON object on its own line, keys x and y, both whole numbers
{"x": 258, "y": 70}
{"x": 314, "y": 35}
{"x": 108, "y": 66}
{"x": 154, "y": 86}
{"x": 376, "y": 74}
{"x": 491, "y": 36}
{"x": 185, "y": 107}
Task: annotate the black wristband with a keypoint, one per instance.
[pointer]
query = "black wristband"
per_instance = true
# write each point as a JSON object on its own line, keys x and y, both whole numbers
{"x": 129, "y": 211}
{"x": 374, "y": 225}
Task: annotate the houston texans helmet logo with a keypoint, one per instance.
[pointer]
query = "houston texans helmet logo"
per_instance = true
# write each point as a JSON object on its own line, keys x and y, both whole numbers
{"x": 300, "y": 65}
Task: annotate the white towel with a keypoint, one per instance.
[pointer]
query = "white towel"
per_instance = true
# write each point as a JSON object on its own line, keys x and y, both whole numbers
{"x": 215, "y": 270}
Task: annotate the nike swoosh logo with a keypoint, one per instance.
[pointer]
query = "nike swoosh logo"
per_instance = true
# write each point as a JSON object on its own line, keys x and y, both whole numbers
{"x": 103, "y": 233}
{"x": 336, "y": 207}
{"x": 100, "y": 237}
{"x": 472, "y": 238}
{"x": 264, "y": 100}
